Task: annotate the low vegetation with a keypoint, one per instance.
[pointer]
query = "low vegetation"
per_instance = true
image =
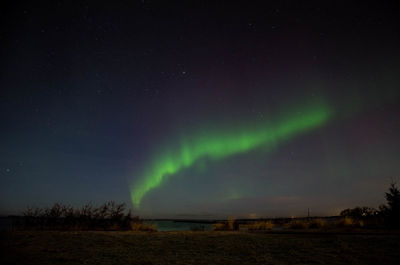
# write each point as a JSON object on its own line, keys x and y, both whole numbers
{"x": 387, "y": 217}
{"x": 229, "y": 225}
{"x": 317, "y": 223}
{"x": 260, "y": 225}
{"x": 112, "y": 216}
{"x": 140, "y": 226}
{"x": 109, "y": 216}
{"x": 296, "y": 224}
{"x": 325, "y": 224}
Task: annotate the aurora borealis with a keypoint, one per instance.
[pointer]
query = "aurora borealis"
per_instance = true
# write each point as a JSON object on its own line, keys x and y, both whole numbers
{"x": 218, "y": 146}
{"x": 202, "y": 109}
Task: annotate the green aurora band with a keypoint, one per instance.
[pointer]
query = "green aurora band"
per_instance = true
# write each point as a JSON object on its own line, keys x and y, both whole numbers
{"x": 222, "y": 144}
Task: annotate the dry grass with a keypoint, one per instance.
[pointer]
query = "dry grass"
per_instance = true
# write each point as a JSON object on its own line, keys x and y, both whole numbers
{"x": 108, "y": 216}
{"x": 260, "y": 225}
{"x": 349, "y": 223}
{"x": 297, "y": 224}
{"x": 113, "y": 247}
{"x": 229, "y": 225}
{"x": 317, "y": 223}
{"x": 143, "y": 227}
{"x": 220, "y": 227}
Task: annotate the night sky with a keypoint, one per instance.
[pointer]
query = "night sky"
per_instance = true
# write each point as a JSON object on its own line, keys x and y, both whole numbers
{"x": 200, "y": 110}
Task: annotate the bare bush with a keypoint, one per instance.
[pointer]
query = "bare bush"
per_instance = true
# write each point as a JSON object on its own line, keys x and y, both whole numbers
{"x": 108, "y": 216}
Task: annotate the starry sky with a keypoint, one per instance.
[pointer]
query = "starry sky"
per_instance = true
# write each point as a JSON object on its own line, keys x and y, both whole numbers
{"x": 199, "y": 109}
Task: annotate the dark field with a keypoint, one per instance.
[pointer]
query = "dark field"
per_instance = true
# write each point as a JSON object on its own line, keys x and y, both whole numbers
{"x": 198, "y": 248}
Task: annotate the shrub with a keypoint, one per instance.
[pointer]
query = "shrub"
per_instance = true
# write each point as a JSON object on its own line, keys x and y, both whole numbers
{"x": 140, "y": 226}
{"x": 232, "y": 224}
{"x": 261, "y": 225}
{"x": 220, "y": 227}
{"x": 317, "y": 223}
{"x": 229, "y": 225}
{"x": 109, "y": 216}
{"x": 349, "y": 222}
{"x": 297, "y": 224}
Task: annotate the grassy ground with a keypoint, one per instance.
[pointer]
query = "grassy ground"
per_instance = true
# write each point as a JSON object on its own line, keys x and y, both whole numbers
{"x": 197, "y": 248}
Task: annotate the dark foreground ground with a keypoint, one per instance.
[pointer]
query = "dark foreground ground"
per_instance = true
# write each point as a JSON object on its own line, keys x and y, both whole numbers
{"x": 197, "y": 248}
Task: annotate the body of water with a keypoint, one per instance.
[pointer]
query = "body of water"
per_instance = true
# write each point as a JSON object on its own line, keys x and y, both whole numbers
{"x": 5, "y": 223}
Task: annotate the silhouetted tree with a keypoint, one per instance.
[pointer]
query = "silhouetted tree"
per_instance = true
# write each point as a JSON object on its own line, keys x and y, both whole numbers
{"x": 391, "y": 211}
{"x": 359, "y": 212}
{"x": 32, "y": 212}
{"x": 116, "y": 211}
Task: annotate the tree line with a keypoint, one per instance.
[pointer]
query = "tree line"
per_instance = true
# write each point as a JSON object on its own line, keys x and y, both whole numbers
{"x": 388, "y": 213}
